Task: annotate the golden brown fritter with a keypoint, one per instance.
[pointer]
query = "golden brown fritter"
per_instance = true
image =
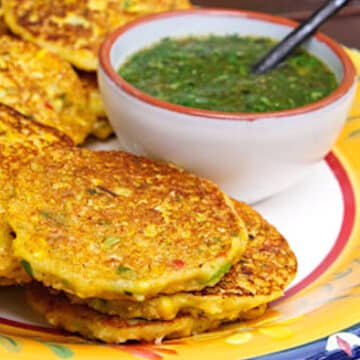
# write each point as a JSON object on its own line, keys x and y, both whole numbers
{"x": 74, "y": 29}
{"x": 4, "y": 30}
{"x": 6, "y": 282}
{"x": 90, "y": 85}
{"x": 59, "y": 312}
{"x": 137, "y": 227}
{"x": 268, "y": 265}
{"x": 265, "y": 269}
{"x": 146, "y": 7}
{"x": 21, "y": 139}
{"x": 41, "y": 85}
{"x": 102, "y": 128}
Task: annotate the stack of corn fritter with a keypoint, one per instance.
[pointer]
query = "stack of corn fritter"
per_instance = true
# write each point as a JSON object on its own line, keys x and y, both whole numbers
{"x": 110, "y": 245}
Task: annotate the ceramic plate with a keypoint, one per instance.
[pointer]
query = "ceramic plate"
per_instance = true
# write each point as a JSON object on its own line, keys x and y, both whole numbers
{"x": 316, "y": 319}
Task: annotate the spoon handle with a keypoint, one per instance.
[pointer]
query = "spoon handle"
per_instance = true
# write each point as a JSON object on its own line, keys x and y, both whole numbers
{"x": 297, "y": 36}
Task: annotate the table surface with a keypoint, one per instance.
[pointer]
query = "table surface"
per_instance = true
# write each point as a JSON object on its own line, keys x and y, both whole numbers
{"x": 344, "y": 27}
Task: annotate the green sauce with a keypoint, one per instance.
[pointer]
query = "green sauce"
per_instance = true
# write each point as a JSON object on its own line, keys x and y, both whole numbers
{"x": 213, "y": 73}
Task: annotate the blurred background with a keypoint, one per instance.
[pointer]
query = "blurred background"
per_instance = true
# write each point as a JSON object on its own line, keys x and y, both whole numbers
{"x": 345, "y": 27}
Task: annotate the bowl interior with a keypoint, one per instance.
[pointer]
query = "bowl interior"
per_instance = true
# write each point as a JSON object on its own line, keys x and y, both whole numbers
{"x": 184, "y": 24}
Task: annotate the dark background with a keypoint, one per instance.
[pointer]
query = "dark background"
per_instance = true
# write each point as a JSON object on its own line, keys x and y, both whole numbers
{"x": 344, "y": 27}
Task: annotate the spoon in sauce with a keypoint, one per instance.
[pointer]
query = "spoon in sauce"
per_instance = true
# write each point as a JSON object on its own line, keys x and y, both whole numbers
{"x": 298, "y": 36}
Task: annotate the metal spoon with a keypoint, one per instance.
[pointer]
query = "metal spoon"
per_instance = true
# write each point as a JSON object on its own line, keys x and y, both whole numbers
{"x": 298, "y": 36}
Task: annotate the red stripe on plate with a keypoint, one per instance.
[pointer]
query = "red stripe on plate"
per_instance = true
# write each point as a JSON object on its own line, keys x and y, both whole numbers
{"x": 348, "y": 197}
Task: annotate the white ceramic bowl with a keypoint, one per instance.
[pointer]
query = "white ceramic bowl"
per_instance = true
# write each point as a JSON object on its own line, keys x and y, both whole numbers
{"x": 252, "y": 156}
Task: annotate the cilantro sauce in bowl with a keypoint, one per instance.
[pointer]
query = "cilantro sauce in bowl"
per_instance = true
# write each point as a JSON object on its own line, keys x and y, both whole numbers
{"x": 214, "y": 73}
{"x": 177, "y": 87}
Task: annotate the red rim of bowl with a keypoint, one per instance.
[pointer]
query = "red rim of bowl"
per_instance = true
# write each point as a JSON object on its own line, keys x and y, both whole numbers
{"x": 342, "y": 89}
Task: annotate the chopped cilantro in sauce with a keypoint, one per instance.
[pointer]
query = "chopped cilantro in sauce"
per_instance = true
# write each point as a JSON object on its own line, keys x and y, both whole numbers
{"x": 213, "y": 73}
